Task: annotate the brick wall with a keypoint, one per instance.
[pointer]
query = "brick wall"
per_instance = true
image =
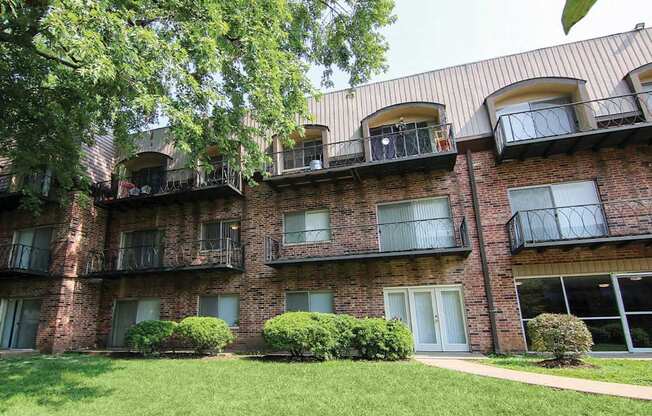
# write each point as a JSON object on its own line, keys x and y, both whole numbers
{"x": 619, "y": 174}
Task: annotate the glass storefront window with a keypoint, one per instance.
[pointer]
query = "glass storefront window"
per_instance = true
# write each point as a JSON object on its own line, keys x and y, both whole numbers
{"x": 539, "y": 296}
{"x": 591, "y": 296}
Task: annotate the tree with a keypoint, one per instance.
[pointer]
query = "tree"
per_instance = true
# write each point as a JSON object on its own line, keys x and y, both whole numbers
{"x": 574, "y": 11}
{"x": 73, "y": 69}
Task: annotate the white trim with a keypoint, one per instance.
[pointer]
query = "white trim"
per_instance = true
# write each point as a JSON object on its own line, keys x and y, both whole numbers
{"x": 439, "y": 322}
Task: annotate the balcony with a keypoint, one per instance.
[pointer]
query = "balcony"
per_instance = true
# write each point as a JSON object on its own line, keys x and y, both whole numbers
{"x": 24, "y": 260}
{"x": 616, "y": 222}
{"x": 12, "y": 185}
{"x": 196, "y": 255}
{"x": 426, "y": 148}
{"x": 171, "y": 186}
{"x": 427, "y": 237}
{"x": 608, "y": 122}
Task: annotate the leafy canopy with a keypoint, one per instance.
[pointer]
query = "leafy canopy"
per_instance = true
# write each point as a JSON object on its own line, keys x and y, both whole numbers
{"x": 74, "y": 69}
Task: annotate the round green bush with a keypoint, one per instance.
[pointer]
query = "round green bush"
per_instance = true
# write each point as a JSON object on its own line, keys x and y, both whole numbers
{"x": 380, "y": 339}
{"x": 564, "y": 336}
{"x": 149, "y": 337}
{"x": 204, "y": 334}
{"x": 300, "y": 333}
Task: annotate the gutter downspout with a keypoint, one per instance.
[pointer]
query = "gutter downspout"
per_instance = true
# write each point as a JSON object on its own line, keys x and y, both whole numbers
{"x": 483, "y": 254}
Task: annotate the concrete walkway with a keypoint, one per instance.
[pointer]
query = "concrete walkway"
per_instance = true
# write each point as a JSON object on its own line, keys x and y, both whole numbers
{"x": 557, "y": 382}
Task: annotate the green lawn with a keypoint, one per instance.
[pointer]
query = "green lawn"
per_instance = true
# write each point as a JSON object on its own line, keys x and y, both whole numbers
{"x": 83, "y": 385}
{"x": 608, "y": 369}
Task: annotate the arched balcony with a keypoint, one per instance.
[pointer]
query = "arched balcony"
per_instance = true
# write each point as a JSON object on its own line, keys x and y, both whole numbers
{"x": 398, "y": 138}
{"x": 544, "y": 116}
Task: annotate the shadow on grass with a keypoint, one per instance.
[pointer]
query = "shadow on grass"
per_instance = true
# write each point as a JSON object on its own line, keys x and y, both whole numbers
{"x": 51, "y": 381}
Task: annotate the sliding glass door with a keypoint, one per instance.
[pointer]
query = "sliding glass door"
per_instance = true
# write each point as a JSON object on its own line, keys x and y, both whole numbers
{"x": 434, "y": 314}
{"x": 127, "y": 313}
{"x": 31, "y": 249}
{"x": 636, "y": 294}
{"x": 561, "y": 211}
{"x": 415, "y": 225}
{"x": 19, "y": 319}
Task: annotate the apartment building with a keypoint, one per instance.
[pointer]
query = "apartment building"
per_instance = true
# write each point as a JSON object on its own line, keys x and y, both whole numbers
{"x": 463, "y": 201}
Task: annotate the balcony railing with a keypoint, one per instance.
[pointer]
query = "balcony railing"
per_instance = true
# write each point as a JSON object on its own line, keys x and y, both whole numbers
{"x": 593, "y": 224}
{"x": 190, "y": 255}
{"x": 573, "y": 119}
{"x": 390, "y": 147}
{"x": 24, "y": 259}
{"x": 170, "y": 182}
{"x": 391, "y": 239}
{"x": 11, "y": 183}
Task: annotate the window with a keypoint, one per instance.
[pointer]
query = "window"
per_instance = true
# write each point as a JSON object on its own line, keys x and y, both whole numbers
{"x": 216, "y": 235}
{"x": 31, "y": 249}
{"x": 141, "y": 250}
{"x": 646, "y": 89}
{"x": 590, "y": 298}
{"x": 306, "y": 227}
{"x": 535, "y": 119}
{"x": 309, "y": 301}
{"x": 127, "y": 313}
{"x": 302, "y": 154}
{"x": 558, "y": 212}
{"x": 411, "y": 225}
{"x": 225, "y": 307}
{"x": 400, "y": 140}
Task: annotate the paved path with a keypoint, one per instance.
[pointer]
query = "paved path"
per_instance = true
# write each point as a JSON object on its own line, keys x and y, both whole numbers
{"x": 568, "y": 383}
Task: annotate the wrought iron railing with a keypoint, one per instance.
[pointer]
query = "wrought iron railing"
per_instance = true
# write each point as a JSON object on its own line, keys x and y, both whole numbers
{"x": 564, "y": 119}
{"x": 183, "y": 255}
{"x": 24, "y": 258}
{"x": 620, "y": 218}
{"x": 170, "y": 181}
{"x": 378, "y": 148}
{"x": 388, "y": 237}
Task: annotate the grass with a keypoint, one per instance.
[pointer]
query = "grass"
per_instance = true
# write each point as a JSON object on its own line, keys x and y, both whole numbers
{"x": 84, "y": 385}
{"x": 606, "y": 369}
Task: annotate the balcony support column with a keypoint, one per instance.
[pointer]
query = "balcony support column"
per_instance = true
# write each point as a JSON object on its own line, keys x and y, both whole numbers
{"x": 325, "y": 148}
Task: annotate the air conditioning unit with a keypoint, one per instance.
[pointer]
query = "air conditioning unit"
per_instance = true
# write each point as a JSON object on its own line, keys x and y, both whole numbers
{"x": 315, "y": 164}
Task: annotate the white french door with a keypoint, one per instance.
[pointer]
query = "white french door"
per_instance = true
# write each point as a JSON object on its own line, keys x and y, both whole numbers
{"x": 434, "y": 314}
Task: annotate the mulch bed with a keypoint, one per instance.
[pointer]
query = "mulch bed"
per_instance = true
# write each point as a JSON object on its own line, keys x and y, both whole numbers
{"x": 564, "y": 363}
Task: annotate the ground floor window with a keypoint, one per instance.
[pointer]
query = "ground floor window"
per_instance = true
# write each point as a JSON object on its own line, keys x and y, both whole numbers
{"x": 128, "y": 313}
{"x": 617, "y": 309}
{"x": 435, "y": 314}
{"x": 309, "y": 301}
{"x": 19, "y": 320}
{"x": 225, "y": 307}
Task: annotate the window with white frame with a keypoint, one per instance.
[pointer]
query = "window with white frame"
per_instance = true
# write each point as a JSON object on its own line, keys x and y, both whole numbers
{"x": 417, "y": 224}
{"x": 309, "y": 301}
{"x": 216, "y": 235}
{"x": 306, "y": 227}
{"x": 535, "y": 119}
{"x": 560, "y": 211}
{"x": 225, "y": 307}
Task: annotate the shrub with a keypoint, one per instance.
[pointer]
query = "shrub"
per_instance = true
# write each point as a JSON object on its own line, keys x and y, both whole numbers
{"x": 204, "y": 334}
{"x": 149, "y": 337}
{"x": 565, "y": 336}
{"x": 377, "y": 338}
{"x": 303, "y": 332}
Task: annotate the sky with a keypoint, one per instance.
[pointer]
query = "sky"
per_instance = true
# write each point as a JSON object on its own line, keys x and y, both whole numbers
{"x": 432, "y": 34}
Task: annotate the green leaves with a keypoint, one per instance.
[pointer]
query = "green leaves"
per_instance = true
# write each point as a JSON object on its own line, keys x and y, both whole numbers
{"x": 223, "y": 73}
{"x": 574, "y": 11}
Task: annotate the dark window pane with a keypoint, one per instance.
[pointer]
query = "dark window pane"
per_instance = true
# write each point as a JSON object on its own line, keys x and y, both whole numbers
{"x": 640, "y": 328}
{"x": 537, "y": 296}
{"x": 591, "y": 296}
{"x": 607, "y": 334}
{"x": 297, "y": 302}
{"x": 208, "y": 306}
{"x": 636, "y": 292}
